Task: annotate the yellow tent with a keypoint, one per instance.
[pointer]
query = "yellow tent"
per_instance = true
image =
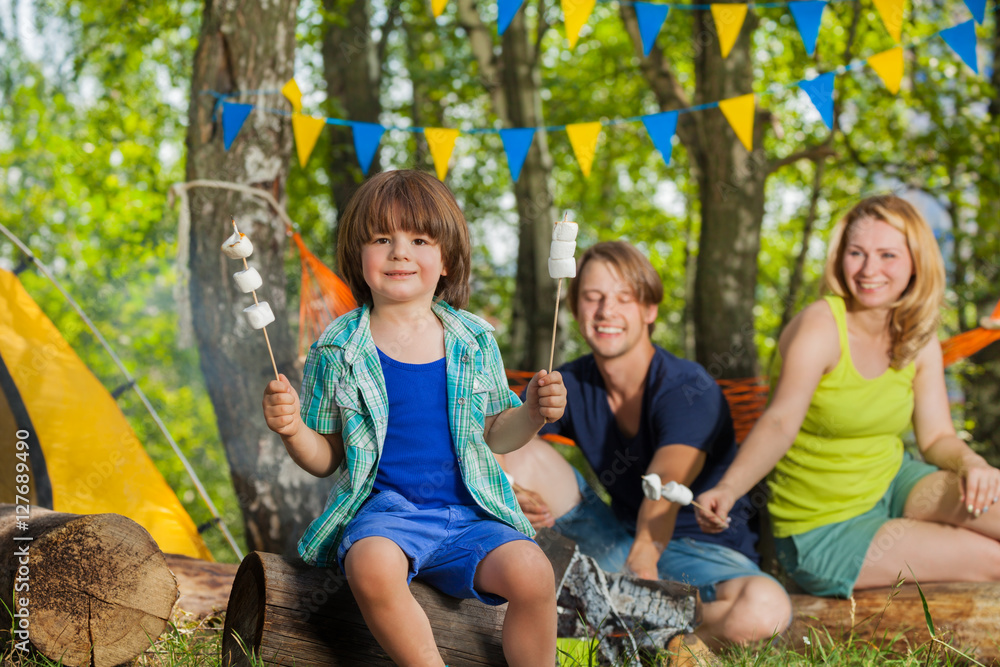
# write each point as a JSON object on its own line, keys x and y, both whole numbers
{"x": 83, "y": 456}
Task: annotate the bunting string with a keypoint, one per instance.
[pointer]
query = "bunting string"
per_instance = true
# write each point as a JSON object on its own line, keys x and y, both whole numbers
{"x": 584, "y": 136}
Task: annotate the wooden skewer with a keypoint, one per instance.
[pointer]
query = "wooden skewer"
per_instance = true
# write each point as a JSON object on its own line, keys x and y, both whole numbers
{"x": 267, "y": 339}
{"x": 555, "y": 319}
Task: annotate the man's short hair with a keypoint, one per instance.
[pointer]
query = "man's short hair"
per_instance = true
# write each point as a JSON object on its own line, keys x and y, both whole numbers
{"x": 634, "y": 268}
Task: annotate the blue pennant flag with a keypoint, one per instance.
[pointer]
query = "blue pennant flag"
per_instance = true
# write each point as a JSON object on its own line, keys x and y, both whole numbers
{"x": 661, "y": 128}
{"x": 233, "y": 117}
{"x": 962, "y": 39}
{"x": 820, "y": 92}
{"x": 978, "y": 9}
{"x": 651, "y": 18}
{"x": 516, "y": 143}
{"x": 506, "y": 10}
{"x": 808, "y": 14}
{"x": 366, "y": 139}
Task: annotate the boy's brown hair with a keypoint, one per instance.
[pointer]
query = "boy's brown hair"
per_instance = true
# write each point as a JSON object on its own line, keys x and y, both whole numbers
{"x": 412, "y": 201}
{"x": 633, "y": 267}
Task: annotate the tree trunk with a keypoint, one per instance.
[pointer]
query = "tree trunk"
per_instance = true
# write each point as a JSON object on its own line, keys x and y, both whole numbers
{"x": 88, "y": 590}
{"x": 352, "y": 69}
{"x": 514, "y": 83}
{"x": 246, "y": 46}
{"x": 731, "y": 191}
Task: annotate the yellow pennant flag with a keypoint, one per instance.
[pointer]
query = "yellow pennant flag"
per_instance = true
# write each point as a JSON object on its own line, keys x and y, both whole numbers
{"x": 294, "y": 95}
{"x": 889, "y": 67}
{"x": 728, "y": 23}
{"x": 575, "y": 16}
{"x": 437, "y": 6}
{"x": 306, "y": 130}
{"x": 583, "y": 138}
{"x": 441, "y": 142}
{"x": 891, "y": 12}
{"x": 739, "y": 111}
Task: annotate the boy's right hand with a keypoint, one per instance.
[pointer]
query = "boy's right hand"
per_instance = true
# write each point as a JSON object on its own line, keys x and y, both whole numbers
{"x": 281, "y": 407}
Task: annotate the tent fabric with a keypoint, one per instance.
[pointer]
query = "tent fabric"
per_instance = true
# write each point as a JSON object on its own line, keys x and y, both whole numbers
{"x": 84, "y": 456}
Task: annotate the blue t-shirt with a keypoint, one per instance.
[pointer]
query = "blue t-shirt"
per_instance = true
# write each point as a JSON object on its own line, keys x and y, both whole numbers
{"x": 418, "y": 460}
{"x": 681, "y": 405}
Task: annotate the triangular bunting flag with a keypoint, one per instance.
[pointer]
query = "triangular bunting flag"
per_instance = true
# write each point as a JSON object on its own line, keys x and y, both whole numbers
{"x": 441, "y": 141}
{"x": 583, "y": 138}
{"x": 739, "y": 111}
{"x": 516, "y": 144}
{"x": 978, "y": 9}
{"x": 808, "y": 15}
{"x": 820, "y": 92}
{"x": 437, "y": 6}
{"x": 728, "y": 23}
{"x": 889, "y": 67}
{"x": 651, "y": 18}
{"x": 962, "y": 39}
{"x": 366, "y": 139}
{"x": 294, "y": 95}
{"x": 661, "y": 128}
{"x": 306, "y": 130}
{"x": 891, "y": 12}
{"x": 233, "y": 117}
{"x": 576, "y": 13}
{"x": 506, "y": 10}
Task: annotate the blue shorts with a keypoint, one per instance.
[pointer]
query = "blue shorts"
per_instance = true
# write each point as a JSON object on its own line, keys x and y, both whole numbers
{"x": 444, "y": 544}
{"x": 826, "y": 561}
{"x": 599, "y": 534}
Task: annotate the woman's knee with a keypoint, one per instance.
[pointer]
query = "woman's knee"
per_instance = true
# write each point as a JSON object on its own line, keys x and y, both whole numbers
{"x": 762, "y": 610}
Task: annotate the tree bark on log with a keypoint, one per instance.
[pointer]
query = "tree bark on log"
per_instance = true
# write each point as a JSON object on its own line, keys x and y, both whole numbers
{"x": 965, "y": 615}
{"x": 88, "y": 590}
{"x": 286, "y": 612}
{"x": 203, "y": 587}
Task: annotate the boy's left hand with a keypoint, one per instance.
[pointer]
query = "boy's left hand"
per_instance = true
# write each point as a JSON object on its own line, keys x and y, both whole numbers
{"x": 546, "y": 397}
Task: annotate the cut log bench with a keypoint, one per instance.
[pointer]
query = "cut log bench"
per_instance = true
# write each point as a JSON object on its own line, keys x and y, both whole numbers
{"x": 288, "y": 613}
{"x": 97, "y": 588}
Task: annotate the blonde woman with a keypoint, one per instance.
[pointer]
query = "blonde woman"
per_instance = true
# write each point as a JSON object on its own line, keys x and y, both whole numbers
{"x": 850, "y": 509}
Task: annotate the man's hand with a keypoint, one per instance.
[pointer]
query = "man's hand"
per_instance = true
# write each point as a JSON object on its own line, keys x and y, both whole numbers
{"x": 281, "y": 407}
{"x": 534, "y": 508}
{"x": 642, "y": 560}
{"x": 546, "y": 397}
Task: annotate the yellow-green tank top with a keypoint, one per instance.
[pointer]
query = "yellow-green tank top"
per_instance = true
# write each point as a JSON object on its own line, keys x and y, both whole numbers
{"x": 849, "y": 447}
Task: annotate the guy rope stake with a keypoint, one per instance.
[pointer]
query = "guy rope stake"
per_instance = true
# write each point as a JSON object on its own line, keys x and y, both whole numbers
{"x": 561, "y": 265}
{"x": 259, "y": 315}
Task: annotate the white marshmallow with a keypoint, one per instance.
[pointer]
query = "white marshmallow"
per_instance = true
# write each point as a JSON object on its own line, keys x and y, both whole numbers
{"x": 237, "y": 246}
{"x": 248, "y": 280}
{"x": 562, "y": 249}
{"x": 562, "y": 268}
{"x": 677, "y": 493}
{"x": 259, "y": 315}
{"x": 564, "y": 231}
{"x": 652, "y": 486}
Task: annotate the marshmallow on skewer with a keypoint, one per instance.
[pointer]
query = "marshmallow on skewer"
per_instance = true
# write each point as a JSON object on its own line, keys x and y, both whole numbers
{"x": 259, "y": 315}
{"x": 237, "y": 246}
{"x": 248, "y": 280}
{"x": 654, "y": 489}
{"x": 561, "y": 251}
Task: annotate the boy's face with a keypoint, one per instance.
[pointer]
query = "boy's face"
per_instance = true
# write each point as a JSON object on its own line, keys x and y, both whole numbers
{"x": 611, "y": 319}
{"x": 402, "y": 267}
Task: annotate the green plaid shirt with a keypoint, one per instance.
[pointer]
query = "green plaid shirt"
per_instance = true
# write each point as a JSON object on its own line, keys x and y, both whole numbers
{"x": 343, "y": 390}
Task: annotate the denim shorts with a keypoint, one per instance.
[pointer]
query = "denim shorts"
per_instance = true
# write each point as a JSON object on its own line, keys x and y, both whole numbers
{"x": 599, "y": 534}
{"x": 443, "y": 544}
{"x": 826, "y": 561}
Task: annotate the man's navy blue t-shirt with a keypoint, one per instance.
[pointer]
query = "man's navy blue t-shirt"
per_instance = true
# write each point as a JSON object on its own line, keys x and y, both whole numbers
{"x": 681, "y": 405}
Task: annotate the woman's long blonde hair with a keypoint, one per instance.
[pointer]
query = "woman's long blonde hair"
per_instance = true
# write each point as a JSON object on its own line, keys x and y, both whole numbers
{"x": 914, "y": 318}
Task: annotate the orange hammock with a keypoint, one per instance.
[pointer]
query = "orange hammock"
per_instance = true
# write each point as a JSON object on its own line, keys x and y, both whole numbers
{"x": 325, "y": 297}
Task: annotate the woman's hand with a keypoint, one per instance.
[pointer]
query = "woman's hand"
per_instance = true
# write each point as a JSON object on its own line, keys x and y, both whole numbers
{"x": 980, "y": 483}
{"x": 718, "y": 501}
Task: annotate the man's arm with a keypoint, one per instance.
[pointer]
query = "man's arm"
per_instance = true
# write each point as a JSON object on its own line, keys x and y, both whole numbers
{"x": 655, "y": 524}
